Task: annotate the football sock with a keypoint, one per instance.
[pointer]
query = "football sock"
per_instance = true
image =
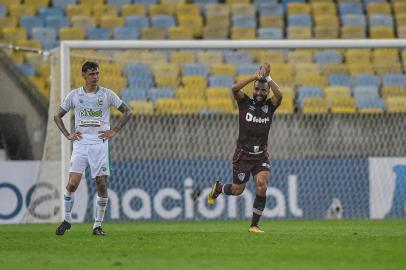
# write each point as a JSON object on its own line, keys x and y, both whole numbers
{"x": 68, "y": 200}
{"x": 226, "y": 189}
{"x": 259, "y": 206}
{"x": 101, "y": 205}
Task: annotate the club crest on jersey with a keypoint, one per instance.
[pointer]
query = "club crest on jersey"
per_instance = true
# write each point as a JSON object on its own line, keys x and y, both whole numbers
{"x": 100, "y": 101}
{"x": 241, "y": 176}
{"x": 264, "y": 108}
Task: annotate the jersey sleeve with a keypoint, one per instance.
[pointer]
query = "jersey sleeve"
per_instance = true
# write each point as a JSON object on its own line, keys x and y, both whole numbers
{"x": 272, "y": 108}
{"x": 113, "y": 99}
{"x": 67, "y": 103}
{"x": 243, "y": 100}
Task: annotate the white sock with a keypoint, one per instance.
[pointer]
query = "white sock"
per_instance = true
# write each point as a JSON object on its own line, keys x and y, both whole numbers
{"x": 68, "y": 199}
{"x": 101, "y": 205}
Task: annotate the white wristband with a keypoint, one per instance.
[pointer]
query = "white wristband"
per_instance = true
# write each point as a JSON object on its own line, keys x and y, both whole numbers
{"x": 268, "y": 78}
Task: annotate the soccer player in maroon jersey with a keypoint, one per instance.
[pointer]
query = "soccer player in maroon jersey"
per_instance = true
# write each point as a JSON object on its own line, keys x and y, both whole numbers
{"x": 251, "y": 154}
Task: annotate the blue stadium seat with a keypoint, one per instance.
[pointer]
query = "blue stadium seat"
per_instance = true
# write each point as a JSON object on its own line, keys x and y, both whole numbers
{"x": 159, "y": 92}
{"x": 380, "y": 20}
{"x": 129, "y": 94}
{"x": 339, "y": 80}
{"x": 63, "y": 3}
{"x": 366, "y": 92}
{"x": 306, "y": 92}
{"x": 221, "y": 81}
{"x": 139, "y": 82}
{"x": 146, "y": 3}
{"x": 244, "y": 21}
{"x": 367, "y": 80}
{"x": 236, "y": 57}
{"x": 50, "y": 45}
{"x": 350, "y": 8}
{"x": 51, "y": 11}
{"x": 139, "y": 76}
{"x": 163, "y": 21}
{"x": 258, "y": 3}
{"x": 244, "y": 69}
{"x": 328, "y": 57}
{"x": 97, "y": 33}
{"x": 195, "y": 69}
{"x": 125, "y": 33}
{"x": 204, "y": 2}
{"x": 56, "y": 22}
{"x": 137, "y": 69}
{"x": 44, "y": 34}
{"x": 27, "y": 69}
{"x": 354, "y": 20}
{"x": 118, "y": 3}
{"x": 29, "y": 22}
{"x": 394, "y": 79}
{"x": 370, "y": 103}
{"x": 270, "y": 33}
{"x": 138, "y": 22}
{"x": 3, "y": 10}
{"x": 366, "y": 2}
{"x": 299, "y": 20}
{"x": 270, "y": 9}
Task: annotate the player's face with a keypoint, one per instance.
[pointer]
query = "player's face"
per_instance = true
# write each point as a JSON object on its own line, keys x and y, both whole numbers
{"x": 261, "y": 91}
{"x": 91, "y": 77}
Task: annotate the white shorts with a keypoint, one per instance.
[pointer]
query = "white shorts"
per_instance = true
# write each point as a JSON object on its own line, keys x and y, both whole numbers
{"x": 95, "y": 155}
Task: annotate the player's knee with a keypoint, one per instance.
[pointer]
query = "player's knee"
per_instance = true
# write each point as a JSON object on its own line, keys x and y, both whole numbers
{"x": 239, "y": 189}
{"x": 101, "y": 186}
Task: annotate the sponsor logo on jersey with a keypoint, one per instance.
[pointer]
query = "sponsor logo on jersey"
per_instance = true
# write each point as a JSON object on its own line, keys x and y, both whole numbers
{"x": 91, "y": 113}
{"x": 241, "y": 176}
{"x": 260, "y": 120}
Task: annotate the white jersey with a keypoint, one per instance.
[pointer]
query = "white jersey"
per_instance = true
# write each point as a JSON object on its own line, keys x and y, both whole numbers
{"x": 92, "y": 112}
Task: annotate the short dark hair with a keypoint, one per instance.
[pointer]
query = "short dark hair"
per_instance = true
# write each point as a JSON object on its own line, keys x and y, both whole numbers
{"x": 89, "y": 66}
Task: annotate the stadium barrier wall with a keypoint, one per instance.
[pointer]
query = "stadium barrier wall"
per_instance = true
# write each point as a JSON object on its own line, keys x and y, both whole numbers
{"x": 177, "y": 190}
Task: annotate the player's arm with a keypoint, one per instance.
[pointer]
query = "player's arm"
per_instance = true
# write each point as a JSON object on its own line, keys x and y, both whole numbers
{"x": 276, "y": 99}
{"x": 58, "y": 121}
{"x": 238, "y": 86}
{"x": 126, "y": 114}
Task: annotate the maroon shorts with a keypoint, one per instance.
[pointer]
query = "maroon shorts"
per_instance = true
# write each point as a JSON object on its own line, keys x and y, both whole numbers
{"x": 245, "y": 164}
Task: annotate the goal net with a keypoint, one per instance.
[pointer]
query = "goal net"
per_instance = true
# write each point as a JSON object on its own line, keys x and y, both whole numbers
{"x": 337, "y": 142}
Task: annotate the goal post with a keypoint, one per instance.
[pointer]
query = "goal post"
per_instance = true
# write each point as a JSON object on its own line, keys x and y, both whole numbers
{"x": 285, "y": 195}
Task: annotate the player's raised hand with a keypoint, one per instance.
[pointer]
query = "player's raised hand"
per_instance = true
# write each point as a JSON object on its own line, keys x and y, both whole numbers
{"x": 75, "y": 136}
{"x": 107, "y": 134}
{"x": 267, "y": 67}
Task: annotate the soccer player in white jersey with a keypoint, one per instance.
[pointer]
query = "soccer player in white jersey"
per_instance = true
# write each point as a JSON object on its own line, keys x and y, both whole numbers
{"x": 91, "y": 104}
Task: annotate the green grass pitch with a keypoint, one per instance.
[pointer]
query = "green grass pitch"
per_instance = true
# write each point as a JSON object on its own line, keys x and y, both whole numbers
{"x": 209, "y": 245}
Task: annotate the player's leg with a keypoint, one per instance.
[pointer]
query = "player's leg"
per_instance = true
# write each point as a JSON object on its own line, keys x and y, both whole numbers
{"x": 261, "y": 180}
{"x": 78, "y": 165}
{"x": 241, "y": 174}
{"x": 99, "y": 162}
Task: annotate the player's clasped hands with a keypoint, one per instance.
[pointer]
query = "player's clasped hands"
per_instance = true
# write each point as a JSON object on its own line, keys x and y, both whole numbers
{"x": 107, "y": 134}
{"x": 75, "y": 136}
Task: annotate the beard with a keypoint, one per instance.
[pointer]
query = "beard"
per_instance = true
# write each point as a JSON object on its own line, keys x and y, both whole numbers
{"x": 259, "y": 98}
